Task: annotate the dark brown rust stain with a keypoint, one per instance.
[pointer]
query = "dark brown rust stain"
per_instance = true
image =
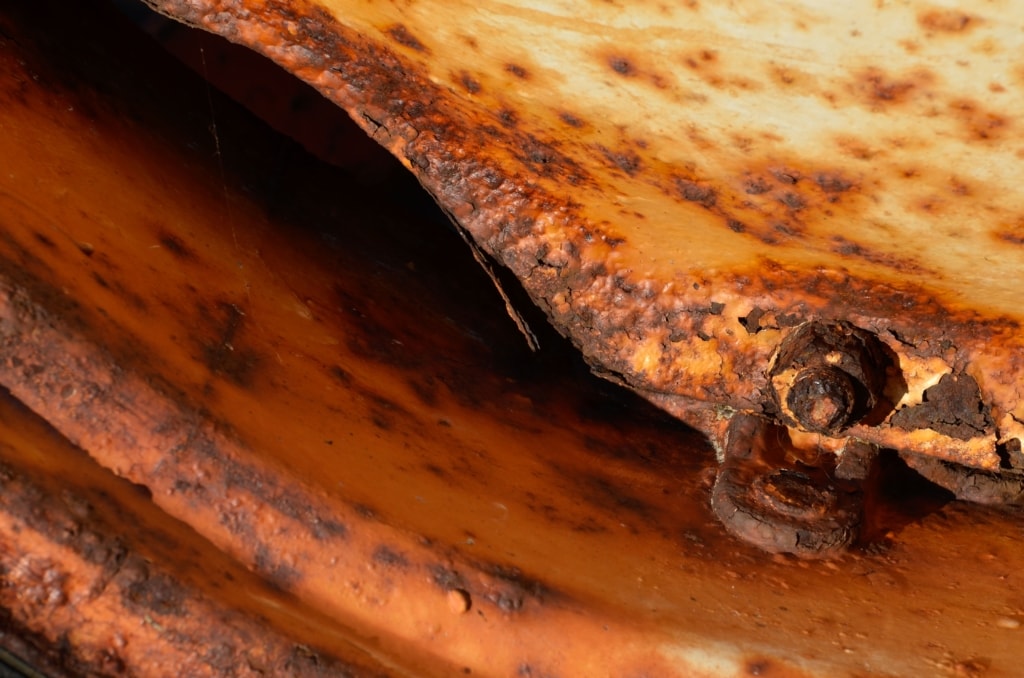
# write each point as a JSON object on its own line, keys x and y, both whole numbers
{"x": 954, "y": 407}
{"x": 225, "y": 355}
{"x": 626, "y": 160}
{"x": 622, "y": 65}
{"x": 469, "y": 83}
{"x": 400, "y": 34}
{"x": 848, "y": 248}
{"x": 692, "y": 191}
{"x": 503, "y": 586}
{"x": 510, "y": 589}
{"x": 388, "y": 557}
{"x": 44, "y": 240}
{"x": 508, "y": 117}
{"x": 1010, "y": 233}
{"x": 877, "y": 89}
{"x": 445, "y": 577}
{"x": 518, "y": 71}
{"x": 977, "y": 123}
{"x": 570, "y": 120}
{"x": 157, "y": 593}
{"x": 176, "y": 246}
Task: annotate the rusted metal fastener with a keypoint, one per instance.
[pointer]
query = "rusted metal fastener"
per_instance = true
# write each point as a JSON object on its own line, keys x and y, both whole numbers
{"x": 767, "y": 497}
{"x": 828, "y": 376}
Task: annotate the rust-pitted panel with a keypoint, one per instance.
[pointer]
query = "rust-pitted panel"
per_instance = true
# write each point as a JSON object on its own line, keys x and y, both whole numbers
{"x": 681, "y": 186}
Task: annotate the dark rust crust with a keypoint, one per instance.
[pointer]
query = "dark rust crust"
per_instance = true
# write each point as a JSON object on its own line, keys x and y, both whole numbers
{"x": 676, "y": 341}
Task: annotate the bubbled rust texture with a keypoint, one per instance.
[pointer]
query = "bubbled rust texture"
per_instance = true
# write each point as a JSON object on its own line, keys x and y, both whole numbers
{"x": 678, "y": 188}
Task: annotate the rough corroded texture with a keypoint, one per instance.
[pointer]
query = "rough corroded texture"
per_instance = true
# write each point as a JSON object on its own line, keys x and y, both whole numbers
{"x": 680, "y": 186}
{"x": 326, "y": 388}
{"x": 104, "y": 584}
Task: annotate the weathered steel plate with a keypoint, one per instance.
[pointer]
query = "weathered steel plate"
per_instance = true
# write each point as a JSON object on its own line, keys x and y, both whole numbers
{"x": 679, "y": 186}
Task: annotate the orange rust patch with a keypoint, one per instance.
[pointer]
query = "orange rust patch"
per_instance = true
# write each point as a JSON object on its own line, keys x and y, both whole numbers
{"x": 875, "y": 88}
{"x": 855, "y": 148}
{"x": 1010, "y": 233}
{"x": 946, "y": 21}
{"x": 977, "y": 123}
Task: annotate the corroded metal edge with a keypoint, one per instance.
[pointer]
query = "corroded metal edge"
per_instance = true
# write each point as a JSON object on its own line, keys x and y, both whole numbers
{"x": 687, "y": 345}
{"x": 88, "y": 587}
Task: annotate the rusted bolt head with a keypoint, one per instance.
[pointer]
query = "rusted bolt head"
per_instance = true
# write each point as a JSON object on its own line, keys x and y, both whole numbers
{"x": 823, "y": 399}
{"x": 778, "y": 505}
{"x": 827, "y": 377}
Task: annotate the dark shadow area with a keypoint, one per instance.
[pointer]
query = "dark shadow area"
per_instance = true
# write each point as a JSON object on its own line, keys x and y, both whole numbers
{"x": 899, "y": 497}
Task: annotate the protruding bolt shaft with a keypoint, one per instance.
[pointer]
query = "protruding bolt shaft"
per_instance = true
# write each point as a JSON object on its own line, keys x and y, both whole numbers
{"x": 827, "y": 377}
{"x": 823, "y": 399}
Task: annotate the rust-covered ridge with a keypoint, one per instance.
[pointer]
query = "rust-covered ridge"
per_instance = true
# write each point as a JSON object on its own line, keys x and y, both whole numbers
{"x": 681, "y": 187}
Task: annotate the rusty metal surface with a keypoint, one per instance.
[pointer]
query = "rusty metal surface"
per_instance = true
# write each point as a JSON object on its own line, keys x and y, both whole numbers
{"x": 679, "y": 187}
{"x": 98, "y": 581}
{"x": 324, "y": 395}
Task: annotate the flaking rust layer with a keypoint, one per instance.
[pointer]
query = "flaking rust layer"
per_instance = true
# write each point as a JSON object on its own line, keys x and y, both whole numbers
{"x": 678, "y": 188}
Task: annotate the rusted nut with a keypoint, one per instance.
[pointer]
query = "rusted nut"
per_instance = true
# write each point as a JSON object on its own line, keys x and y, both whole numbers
{"x": 793, "y": 493}
{"x": 778, "y": 505}
{"x": 827, "y": 377}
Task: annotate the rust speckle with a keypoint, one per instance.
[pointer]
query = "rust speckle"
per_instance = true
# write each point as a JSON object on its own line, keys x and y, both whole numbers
{"x": 978, "y": 123}
{"x": 699, "y": 193}
{"x": 508, "y": 117}
{"x": 45, "y": 240}
{"x": 844, "y": 247}
{"x": 959, "y": 187}
{"x": 701, "y": 59}
{"x": 1011, "y": 233}
{"x": 945, "y": 21}
{"x": 223, "y": 355}
{"x": 876, "y": 88}
{"x": 793, "y": 201}
{"x": 627, "y": 161}
{"x": 622, "y": 66}
{"x": 388, "y": 557}
{"x": 176, "y": 246}
{"x": 400, "y": 34}
{"x": 469, "y": 83}
{"x": 570, "y": 120}
{"x": 755, "y": 186}
{"x": 517, "y": 70}
{"x": 832, "y": 182}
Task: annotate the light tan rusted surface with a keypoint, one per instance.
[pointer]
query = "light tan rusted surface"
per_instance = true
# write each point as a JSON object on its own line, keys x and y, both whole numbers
{"x": 678, "y": 185}
{"x": 325, "y": 388}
